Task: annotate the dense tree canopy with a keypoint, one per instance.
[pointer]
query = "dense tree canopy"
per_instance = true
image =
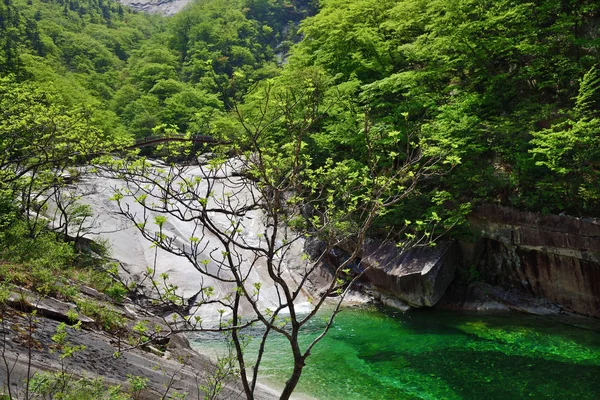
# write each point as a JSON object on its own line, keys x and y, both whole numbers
{"x": 506, "y": 90}
{"x": 483, "y": 79}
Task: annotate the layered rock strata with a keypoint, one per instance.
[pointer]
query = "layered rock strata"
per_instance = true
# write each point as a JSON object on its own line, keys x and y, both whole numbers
{"x": 552, "y": 257}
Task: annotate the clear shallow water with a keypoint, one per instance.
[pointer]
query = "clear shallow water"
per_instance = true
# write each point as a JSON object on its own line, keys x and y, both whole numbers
{"x": 378, "y": 354}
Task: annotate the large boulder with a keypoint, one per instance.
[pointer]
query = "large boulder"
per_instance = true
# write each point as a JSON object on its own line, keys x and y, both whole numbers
{"x": 418, "y": 277}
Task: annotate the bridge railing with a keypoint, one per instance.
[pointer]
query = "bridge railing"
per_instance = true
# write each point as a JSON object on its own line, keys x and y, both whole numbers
{"x": 160, "y": 139}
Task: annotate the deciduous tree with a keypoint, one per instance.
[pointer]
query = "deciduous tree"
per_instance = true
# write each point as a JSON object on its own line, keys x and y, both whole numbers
{"x": 248, "y": 214}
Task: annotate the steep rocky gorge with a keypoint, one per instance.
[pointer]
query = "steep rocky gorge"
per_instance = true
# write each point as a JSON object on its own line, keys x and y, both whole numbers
{"x": 547, "y": 256}
{"x": 517, "y": 260}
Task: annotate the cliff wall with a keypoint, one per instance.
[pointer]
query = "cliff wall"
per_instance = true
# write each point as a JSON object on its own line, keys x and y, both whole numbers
{"x": 553, "y": 257}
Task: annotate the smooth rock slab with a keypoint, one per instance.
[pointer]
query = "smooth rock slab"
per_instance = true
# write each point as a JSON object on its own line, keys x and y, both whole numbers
{"x": 136, "y": 254}
{"x": 180, "y": 367}
{"x": 25, "y": 300}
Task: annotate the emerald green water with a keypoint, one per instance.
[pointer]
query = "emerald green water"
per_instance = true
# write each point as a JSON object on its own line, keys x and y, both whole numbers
{"x": 381, "y": 354}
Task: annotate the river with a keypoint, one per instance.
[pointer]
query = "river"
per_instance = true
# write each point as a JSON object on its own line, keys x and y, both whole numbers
{"x": 378, "y": 353}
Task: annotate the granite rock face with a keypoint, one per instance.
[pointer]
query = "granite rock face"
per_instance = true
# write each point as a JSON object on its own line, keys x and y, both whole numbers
{"x": 552, "y": 257}
{"x": 135, "y": 253}
{"x": 418, "y": 277}
{"x": 480, "y": 296}
{"x": 165, "y": 7}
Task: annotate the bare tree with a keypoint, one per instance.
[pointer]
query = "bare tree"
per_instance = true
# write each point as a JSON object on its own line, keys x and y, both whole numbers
{"x": 251, "y": 208}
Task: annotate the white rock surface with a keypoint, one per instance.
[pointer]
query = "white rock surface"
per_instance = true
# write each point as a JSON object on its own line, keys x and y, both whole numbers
{"x": 165, "y": 7}
{"x": 137, "y": 254}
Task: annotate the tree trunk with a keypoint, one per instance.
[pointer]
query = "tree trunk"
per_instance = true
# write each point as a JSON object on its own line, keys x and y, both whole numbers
{"x": 291, "y": 383}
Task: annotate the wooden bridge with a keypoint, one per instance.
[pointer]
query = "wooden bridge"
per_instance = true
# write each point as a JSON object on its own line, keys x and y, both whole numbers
{"x": 155, "y": 140}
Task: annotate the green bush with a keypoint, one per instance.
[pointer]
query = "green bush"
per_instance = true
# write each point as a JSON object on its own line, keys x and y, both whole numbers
{"x": 106, "y": 318}
{"x": 70, "y": 387}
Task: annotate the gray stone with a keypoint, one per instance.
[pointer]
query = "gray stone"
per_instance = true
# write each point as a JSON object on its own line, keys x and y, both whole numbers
{"x": 479, "y": 296}
{"x": 205, "y": 158}
{"x": 419, "y": 277}
{"x": 393, "y": 302}
{"x": 25, "y": 300}
{"x": 135, "y": 253}
{"x": 179, "y": 368}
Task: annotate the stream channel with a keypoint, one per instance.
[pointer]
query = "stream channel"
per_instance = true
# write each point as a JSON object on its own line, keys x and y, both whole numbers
{"x": 378, "y": 353}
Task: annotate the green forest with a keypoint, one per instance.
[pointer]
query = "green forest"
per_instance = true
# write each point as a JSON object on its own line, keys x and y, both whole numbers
{"x": 508, "y": 89}
{"x": 500, "y": 98}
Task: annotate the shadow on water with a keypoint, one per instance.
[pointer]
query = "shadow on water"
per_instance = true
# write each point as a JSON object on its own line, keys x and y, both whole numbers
{"x": 495, "y": 375}
{"x": 503, "y": 326}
